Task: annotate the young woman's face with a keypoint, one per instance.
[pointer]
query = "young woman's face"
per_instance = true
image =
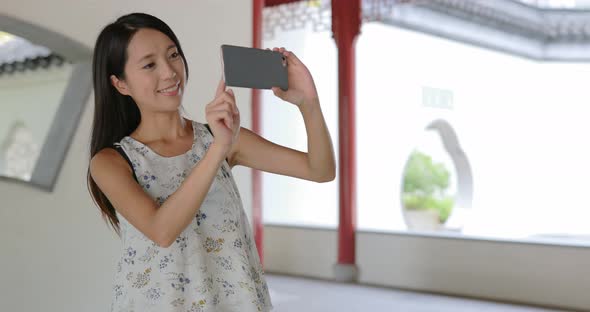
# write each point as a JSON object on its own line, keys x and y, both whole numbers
{"x": 154, "y": 72}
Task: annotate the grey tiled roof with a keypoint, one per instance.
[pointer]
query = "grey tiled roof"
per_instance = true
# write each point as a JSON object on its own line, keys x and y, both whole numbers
{"x": 17, "y": 49}
{"x": 19, "y": 54}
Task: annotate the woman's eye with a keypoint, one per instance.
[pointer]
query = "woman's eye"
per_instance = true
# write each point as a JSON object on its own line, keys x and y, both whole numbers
{"x": 148, "y": 66}
{"x": 174, "y": 55}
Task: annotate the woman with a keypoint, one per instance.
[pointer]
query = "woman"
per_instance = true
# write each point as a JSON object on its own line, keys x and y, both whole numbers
{"x": 164, "y": 183}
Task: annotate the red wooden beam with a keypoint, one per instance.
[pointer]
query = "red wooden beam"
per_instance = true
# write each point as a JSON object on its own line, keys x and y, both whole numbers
{"x": 269, "y": 3}
{"x": 256, "y": 128}
{"x": 346, "y": 22}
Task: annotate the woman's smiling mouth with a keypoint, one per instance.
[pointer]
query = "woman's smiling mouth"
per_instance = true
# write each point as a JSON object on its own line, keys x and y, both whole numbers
{"x": 170, "y": 91}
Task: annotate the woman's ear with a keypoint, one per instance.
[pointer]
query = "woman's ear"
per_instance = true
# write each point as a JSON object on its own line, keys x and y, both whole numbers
{"x": 120, "y": 85}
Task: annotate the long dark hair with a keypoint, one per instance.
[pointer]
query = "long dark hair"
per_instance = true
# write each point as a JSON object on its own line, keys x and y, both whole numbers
{"x": 116, "y": 115}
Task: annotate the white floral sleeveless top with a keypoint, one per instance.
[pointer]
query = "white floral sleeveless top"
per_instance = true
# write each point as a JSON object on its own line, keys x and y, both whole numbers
{"x": 212, "y": 266}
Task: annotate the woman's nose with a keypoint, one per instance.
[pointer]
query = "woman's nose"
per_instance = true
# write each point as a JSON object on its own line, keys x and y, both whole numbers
{"x": 168, "y": 72}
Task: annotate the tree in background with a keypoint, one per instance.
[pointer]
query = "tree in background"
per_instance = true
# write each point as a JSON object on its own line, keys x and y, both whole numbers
{"x": 425, "y": 183}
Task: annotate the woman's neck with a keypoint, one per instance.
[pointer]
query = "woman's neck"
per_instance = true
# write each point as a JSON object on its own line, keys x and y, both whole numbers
{"x": 161, "y": 128}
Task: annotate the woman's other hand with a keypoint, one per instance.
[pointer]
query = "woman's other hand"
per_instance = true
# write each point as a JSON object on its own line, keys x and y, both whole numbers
{"x": 223, "y": 117}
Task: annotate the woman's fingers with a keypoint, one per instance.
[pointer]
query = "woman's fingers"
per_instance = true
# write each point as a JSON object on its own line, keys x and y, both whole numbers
{"x": 224, "y": 116}
{"x": 278, "y": 92}
{"x": 224, "y": 98}
{"x": 230, "y": 98}
{"x": 220, "y": 87}
{"x": 291, "y": 58}
{"x": 286, "y": 53}
{"x": 223, "y": 95}
{"x": 227, "y": 105}
{"x": 233, "y": 101}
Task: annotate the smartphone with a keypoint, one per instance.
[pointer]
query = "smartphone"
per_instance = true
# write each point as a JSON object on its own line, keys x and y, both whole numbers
{"x": 254, "y": 68}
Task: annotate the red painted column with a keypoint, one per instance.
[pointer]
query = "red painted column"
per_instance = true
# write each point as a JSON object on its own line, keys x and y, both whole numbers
{"x": 257, "y": 6}
{"x": 346, "y": 21}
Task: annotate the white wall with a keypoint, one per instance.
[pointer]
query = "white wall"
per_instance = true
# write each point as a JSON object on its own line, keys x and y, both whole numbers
{"x": 545, "y": 275}
{"x": 56, "y": 253}
{"x": 300, "y": 251}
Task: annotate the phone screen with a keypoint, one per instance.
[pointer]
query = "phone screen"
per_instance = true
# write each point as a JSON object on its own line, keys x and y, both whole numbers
{"x": 254, "y": 68}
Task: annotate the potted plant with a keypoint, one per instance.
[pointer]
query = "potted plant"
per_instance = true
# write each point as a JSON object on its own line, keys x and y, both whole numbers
{"x": 426, "y": 204}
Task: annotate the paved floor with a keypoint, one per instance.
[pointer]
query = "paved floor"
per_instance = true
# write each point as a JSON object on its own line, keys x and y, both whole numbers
{"x": 290, "y": 294}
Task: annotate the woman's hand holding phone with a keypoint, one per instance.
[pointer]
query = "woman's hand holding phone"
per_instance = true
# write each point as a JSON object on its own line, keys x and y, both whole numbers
{"x": 301, "y": 86}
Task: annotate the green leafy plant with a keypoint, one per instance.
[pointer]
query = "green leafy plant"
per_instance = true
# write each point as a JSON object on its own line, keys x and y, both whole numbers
{"x": 425, "y": 183}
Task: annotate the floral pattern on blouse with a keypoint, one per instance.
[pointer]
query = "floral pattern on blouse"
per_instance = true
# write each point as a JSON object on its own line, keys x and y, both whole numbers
{"x": 212, "y": 265}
